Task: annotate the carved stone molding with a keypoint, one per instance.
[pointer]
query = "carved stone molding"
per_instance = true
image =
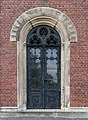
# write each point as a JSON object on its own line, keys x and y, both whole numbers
{"x": 43, "y": 15}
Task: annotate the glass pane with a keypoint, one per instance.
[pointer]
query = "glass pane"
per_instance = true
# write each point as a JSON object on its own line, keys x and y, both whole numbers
{"x": 38, "y": 52}
{"x": 49, "y": 53}
{"x": 32, "y": 52}
{"x": 51, "y": 76}
{"x": 35, "y": 74}
{"x": 35, "y": 52}
{"x": 52, "y": 53}
{"x": 35, "y": 68}
{"x": 52, "y": 70}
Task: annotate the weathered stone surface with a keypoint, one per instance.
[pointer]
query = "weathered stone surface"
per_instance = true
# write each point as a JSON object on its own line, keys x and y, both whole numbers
{"x": 27, "y": 118}
{"x": 43, "y": 11}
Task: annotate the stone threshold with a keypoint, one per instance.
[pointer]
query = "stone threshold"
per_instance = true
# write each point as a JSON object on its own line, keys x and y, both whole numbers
{"x": 66, "y": 113}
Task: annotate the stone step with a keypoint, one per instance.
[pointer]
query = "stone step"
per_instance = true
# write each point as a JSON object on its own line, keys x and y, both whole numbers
{"x": 41, "y": 118}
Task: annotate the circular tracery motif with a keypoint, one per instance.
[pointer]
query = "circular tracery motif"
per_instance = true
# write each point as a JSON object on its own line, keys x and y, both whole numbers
{"x": 44, "y": 35}
{"x": 43, "y": 31}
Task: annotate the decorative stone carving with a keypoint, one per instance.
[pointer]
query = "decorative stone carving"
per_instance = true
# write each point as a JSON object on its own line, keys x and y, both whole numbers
{"x": 43, "y": 15}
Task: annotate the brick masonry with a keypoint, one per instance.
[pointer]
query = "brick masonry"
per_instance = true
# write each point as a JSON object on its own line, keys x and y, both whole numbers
{"x": 77, "y": 10}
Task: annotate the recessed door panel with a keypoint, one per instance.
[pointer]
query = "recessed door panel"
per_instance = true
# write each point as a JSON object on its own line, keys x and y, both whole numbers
{"x": 35, "y": 100}
{"x": 52, "y": 100}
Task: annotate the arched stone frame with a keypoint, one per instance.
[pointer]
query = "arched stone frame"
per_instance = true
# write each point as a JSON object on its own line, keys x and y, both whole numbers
{"x": 67, "y": 31}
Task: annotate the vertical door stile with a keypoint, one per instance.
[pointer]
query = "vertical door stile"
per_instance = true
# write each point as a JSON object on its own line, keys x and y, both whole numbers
{"x": 42, "y": 88}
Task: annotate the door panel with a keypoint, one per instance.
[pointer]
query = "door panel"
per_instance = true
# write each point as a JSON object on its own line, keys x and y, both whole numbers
{"x": 52, "y": 100}
{"x": 35, "y": 100}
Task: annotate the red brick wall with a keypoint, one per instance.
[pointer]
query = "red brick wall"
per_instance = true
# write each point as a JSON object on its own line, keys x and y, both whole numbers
{"x": 77, "y": 10}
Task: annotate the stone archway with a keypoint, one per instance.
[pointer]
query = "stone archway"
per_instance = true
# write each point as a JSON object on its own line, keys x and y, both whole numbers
{"x": 62, "y": 23}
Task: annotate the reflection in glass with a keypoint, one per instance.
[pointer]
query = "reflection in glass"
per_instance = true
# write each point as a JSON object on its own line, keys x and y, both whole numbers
{"x": 32, "y": 51}
{"x": 35, "y": 68}
{"x": 38, "y": 52}
{"x": 35, "y": 73}
{"x": 52, "y": 53}
{"x": 35, "y": 52}
{"x": 49, "y": 53}
{"x": 51, "y": 76}
{"x": 52, "y": 70}
{"x": 35, "y": 64}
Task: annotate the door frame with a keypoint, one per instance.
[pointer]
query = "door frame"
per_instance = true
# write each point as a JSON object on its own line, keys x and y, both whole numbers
{"x": 67, "y": 31}
{"x": 65, "y": 67}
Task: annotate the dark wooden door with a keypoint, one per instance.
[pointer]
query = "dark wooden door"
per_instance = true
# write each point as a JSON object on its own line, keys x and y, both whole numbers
{"x": 43, "y": 68}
